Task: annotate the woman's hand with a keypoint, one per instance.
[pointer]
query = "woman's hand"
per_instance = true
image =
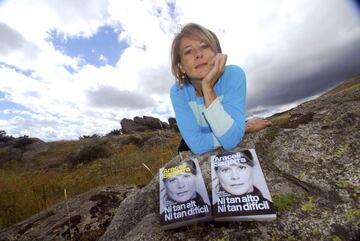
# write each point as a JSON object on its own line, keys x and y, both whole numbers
{"x": 210, "y": 79}
{"x": 257, "y": 124}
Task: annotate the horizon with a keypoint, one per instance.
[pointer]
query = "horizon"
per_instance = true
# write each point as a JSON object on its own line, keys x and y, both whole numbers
{"x": 70, "y": 69}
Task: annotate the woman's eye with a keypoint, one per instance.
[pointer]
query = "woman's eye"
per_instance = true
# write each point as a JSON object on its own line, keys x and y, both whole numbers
{"x": 242, "y": 167}
{"x": 186, "y": 175}
{"x": 171, "y": 180}
{"x": 225, "y": 170}
{"x": 204, "y": 46}
{"x": 186, "y": 52}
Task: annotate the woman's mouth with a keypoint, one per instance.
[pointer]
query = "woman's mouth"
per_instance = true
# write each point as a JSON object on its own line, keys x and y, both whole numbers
{"x": 182, "y": 193}
{"x": 237, "y": 185}
{"x": 200, "y": 65}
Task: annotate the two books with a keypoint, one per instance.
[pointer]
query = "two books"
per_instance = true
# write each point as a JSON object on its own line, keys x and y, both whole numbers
{"x": 239, "y": 191}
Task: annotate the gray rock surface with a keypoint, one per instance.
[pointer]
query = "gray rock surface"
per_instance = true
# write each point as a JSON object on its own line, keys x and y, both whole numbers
{"x": 139, "y": 124}
{"x": 88, "y": 217}
{"x": 21, "y": 149}
{"x": 311, "y": 161}
{"x": 310, "y": 158}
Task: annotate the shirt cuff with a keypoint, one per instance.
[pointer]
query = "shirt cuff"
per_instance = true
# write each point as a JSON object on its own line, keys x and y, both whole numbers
{"x": 219, "y": 120}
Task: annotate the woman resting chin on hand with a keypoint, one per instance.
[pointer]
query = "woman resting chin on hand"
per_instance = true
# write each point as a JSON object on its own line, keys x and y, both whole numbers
{"x": 209, "y": 100}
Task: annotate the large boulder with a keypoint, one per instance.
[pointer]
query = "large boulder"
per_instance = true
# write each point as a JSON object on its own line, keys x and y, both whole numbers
{"x": 34, "y": 149}
{"x": 147, "y": 123}
{"x": 311, "y": 160}
{"x": 173, "y": 124}
{"x": 23, "y": 149}
{"x": 84, "y": 217}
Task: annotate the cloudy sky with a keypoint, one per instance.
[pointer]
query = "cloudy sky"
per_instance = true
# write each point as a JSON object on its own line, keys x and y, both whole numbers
{"x": 77, "y": 67}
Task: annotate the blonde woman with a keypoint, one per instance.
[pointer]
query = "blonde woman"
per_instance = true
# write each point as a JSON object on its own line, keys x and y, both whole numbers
{"x": 209, "y": 99}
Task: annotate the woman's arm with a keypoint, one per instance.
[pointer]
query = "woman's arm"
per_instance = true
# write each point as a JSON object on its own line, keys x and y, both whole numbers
{"x": 210, "y": 79}
{"x": 226, "y": 117}
{"x": 198, "y": 141}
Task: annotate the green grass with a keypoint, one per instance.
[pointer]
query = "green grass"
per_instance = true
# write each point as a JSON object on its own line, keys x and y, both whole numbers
{"x": 309, "y": 205}
{"x": 284, "y": 202}
{"x": 24, "y": 192}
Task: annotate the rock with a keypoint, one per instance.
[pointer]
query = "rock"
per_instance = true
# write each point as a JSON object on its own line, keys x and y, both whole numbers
{"x": 312, "y": 155}
{"x": 89, "y": 152}
{"x": 147, "y": 123}
{"x": 21, "y": 149}
{"x": 173, "y": 124}
{"x": 34, "y": 149}
{"x": 90, "y": 214}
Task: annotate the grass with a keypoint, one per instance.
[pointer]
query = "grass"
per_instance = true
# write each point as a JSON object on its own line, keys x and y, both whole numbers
{"x": 24, "y": 192}
{"x": 352, "y": 84}
{"x": 284, "y": 202}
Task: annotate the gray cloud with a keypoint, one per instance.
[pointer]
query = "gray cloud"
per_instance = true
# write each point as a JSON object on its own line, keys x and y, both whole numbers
{"x": 157, "y": 80}
{"x": 11, "y": 40}
{"x": 108, "y": 97}
{"x": 34, "y": 94}
{"x": 301, "y": 78}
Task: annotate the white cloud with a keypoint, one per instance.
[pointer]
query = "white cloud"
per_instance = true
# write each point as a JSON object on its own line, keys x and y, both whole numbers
{"x": 278, "y": 43}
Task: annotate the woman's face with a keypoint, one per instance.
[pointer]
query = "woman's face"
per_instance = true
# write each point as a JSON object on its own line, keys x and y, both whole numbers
{"x": 236, "y": 178}
{"x": 181, "y": 188}
{"x": 196, "y": 58}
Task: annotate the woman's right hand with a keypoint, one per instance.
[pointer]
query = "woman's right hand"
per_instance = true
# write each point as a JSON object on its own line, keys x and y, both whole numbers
{"x": 218, "y": 63}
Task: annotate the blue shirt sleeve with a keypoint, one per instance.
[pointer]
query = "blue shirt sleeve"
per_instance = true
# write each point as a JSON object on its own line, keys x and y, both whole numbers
{"x": 227, "y": 117}
{"x": 199, "y": 142}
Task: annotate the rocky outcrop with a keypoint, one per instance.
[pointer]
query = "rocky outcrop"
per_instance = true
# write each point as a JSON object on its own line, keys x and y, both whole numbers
{"x": 21, "y": 149}
{"x": 139, "y": 124}
{"x": 173, "y": 124}
{"x": 86, "y": 218}
{"x": 310, "y": 158}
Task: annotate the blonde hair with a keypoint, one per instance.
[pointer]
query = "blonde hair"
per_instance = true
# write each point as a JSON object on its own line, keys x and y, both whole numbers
{"x": 195, "y": 31}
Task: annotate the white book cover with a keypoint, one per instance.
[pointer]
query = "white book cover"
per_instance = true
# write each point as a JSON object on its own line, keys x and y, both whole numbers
{"x": 239, "y": 189}
{"x": 183, "y": 196}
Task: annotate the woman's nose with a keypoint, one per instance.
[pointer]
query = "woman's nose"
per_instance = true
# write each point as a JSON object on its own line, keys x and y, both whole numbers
{"x": 235, "y": 175}
{"x": 198, "y": 53}
{"x": 180, "y": 184}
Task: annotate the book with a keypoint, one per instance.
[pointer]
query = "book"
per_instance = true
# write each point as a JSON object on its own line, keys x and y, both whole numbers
{"x": 239, "y": 189}
{"x": 183, "y": 196}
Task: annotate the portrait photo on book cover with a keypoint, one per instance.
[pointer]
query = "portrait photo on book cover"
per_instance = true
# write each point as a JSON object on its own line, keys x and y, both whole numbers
{"x": 238, "y": 184}
{"x": 182, "y": 191}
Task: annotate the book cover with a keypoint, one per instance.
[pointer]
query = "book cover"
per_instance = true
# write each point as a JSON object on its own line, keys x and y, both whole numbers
{"x": 183, "y": 196}
{"x": 239, "y": 189}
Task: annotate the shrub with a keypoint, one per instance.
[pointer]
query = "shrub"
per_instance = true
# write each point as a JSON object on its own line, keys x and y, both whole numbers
{"x": 23, "y": 141}
{"x": 4, "y": 137}
{"x": 114, "y": 132}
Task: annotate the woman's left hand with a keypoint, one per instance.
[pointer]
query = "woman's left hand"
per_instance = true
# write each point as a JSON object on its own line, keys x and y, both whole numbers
{"x": 210, "y": 79}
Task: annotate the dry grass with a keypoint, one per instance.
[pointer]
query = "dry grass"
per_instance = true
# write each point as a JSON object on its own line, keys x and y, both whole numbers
{"x": 348, "y": 85}
{"x": 26, "y": 191}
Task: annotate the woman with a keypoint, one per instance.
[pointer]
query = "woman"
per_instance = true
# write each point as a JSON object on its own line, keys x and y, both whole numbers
{"x": 236, "y": 177}
{"x": 209, "y": 101}
{"x": 180, "y": 184}
{"x": 183, "y": 195}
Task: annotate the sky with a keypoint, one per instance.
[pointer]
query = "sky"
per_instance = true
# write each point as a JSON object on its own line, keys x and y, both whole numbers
{"x": 70, "y": 68}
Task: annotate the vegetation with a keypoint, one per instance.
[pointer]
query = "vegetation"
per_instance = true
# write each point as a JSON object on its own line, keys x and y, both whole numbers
{"x": 309, "y": 205}
{"x": 25, "y": 190}
{"x": 284, "y": 202}
{"x": 4, "y": 137}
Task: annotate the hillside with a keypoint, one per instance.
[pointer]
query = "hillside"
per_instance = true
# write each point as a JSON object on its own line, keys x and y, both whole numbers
{"x": 34, "y": 174}
{"x": 310, "y": 157}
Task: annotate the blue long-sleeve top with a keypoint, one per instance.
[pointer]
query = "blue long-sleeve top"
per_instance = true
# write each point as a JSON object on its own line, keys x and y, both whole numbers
{"x": 222, "y": 123}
